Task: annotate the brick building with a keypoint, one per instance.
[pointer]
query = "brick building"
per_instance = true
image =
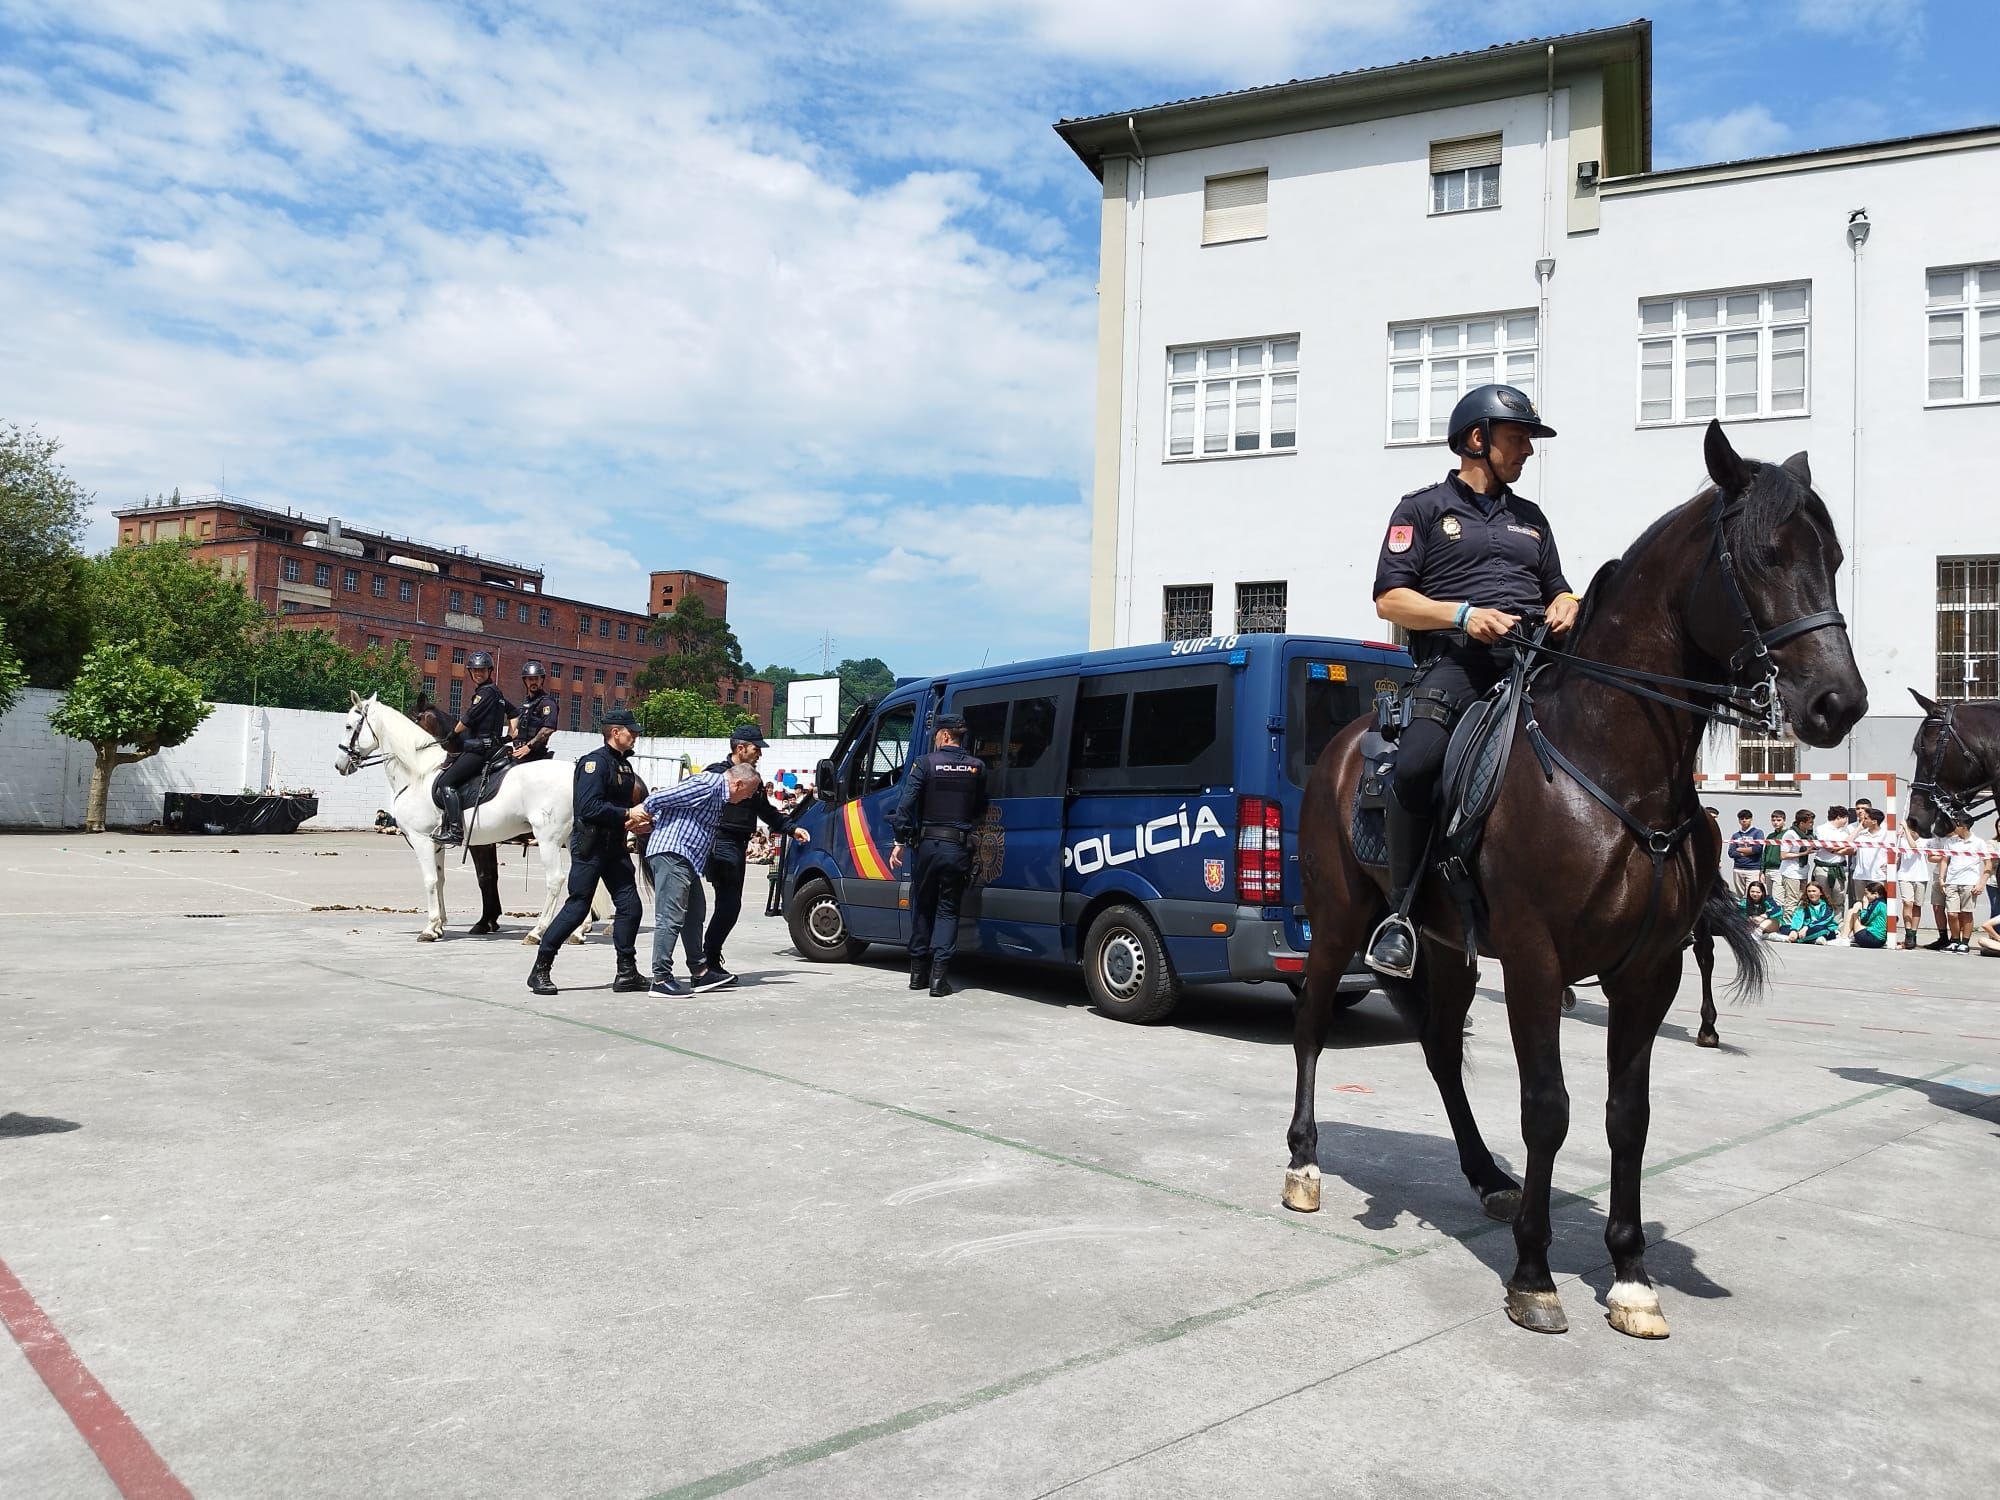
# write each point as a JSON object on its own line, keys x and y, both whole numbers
{"x": 369, "y": 589}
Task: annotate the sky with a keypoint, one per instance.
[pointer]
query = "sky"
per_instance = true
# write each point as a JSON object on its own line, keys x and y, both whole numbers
{"x": 799, "y": 295}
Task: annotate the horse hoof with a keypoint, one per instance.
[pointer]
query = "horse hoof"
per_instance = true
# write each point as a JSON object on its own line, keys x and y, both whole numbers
{"x": 1569, "y": 998}
{"x": 1538, "y": 1312}
{"x": 1302, "y": 1189}
{"x": 1503, "y": 1206}
{"x": 427, "y": 936}
{"x": 1707, "y": 1039}
{"x": 1635, "y": 1309}
{"x": 531, "y": 941}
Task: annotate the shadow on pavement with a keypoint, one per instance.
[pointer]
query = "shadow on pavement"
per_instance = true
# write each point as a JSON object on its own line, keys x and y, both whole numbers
{"x": 1941, "y": 1092}
{"x": 19, "y": 1124}
{"x": 1597, "y": 1013}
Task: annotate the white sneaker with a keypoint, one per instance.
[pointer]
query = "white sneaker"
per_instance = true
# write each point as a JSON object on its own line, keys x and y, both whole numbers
{"x": 1840, "y": 942}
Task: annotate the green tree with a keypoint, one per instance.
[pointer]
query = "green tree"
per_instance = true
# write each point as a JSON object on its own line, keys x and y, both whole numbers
{"x": 311, "y": 669}
{"x": 12, "y": 677}
{"x": 43, "y": 599}
{"x": 177, "y": 611}
{"x": 699, "y": 650}
{"x": 862, "y": 677}
{"x": 682, "y": 713}
{"x": 118, "y": 699}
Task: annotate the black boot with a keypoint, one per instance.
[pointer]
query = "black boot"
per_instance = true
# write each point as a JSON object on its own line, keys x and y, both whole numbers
{"x": 940, "y": 977}
{"x": 539, "y": 978}
{"x": 1393, "y": 948}
{"x": 920, "y": 972}
{"x": 629, "y": 980}
{"x": 452, "y": 830}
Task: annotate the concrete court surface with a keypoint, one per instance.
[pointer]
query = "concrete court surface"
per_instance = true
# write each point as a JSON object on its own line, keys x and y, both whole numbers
{"x": 328, "y": 1212}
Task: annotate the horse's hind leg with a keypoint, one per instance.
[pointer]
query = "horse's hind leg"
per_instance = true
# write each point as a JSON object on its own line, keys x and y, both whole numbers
{"x": 1451, "y": 983}
{"x": 1637, "y": 1007}
{"x": 1310, "y": 1013}
{"x": 1534, "y": 1014}
{"x": 1704, "y": 960}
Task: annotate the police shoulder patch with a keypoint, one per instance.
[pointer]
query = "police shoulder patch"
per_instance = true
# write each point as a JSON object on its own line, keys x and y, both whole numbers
{"x": 590, "y": 765}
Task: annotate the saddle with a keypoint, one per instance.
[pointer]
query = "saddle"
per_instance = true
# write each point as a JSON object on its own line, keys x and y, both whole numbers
{"x": 482, "y": 788}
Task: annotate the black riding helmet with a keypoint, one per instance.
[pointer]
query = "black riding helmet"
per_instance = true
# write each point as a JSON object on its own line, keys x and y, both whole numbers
{"x": 1483, "y": 406}
{"x": 479, "y": 661}
{"x": 532, "y": 671}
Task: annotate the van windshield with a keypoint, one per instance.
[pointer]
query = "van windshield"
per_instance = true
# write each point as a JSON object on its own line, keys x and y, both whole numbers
{"x": 1322, "y": 697}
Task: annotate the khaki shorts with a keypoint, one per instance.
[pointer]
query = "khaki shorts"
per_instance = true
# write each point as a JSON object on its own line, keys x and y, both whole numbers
{"x": 1958, "y": 898}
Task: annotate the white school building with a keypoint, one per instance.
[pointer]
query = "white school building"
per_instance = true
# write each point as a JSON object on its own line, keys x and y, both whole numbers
{"x": 1297, "y": 282}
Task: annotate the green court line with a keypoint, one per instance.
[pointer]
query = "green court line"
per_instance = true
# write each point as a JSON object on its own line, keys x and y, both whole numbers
{"x": 1283, "y": 1217}
{"x": 919, "y": 1416}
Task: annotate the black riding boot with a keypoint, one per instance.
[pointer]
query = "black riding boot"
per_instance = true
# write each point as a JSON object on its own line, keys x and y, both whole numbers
{"x": 452, "y": 829}
{"x": 1393, "y": 948}
{"x": 920, "y": 972}
{"x": 630, "y": 980}
{"x": 940, "y": 978}
{"x": 539, "y": 978}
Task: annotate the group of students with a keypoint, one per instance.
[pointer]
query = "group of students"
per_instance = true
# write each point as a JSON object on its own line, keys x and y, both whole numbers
{"x": 1808, "y": 884}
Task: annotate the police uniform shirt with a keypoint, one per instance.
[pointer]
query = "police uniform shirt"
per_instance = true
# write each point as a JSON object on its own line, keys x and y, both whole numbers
{"x": 739, "y": 819}
{"x": 487, "y": 715}
{"x": 541, "y": 711}
{"x": 603, "y": 788}
{"x": 1447, "y": 544}
{"x": 946, "y": 786}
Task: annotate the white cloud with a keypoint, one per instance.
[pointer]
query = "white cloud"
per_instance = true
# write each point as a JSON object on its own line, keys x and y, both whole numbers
{"x": 1751, "y": 130}
{"x": 1894, "y": 20}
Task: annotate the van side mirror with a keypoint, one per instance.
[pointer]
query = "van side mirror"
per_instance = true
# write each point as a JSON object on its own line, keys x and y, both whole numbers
{"x": 826, "y": 778}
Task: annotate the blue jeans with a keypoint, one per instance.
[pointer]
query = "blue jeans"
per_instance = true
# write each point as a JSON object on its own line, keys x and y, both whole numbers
{"x": 680, "y": 907}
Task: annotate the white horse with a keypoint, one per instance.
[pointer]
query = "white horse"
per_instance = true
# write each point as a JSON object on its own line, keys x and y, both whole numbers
{"x": 535, "y": 798}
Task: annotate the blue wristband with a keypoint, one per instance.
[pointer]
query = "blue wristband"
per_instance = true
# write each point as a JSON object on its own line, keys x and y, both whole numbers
{"x": 1458, "y": 622}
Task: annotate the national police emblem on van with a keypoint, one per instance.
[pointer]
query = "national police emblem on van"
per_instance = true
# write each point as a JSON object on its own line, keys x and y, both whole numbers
{"x": 989, "y": 849}
{"x": 1211, "y": 874}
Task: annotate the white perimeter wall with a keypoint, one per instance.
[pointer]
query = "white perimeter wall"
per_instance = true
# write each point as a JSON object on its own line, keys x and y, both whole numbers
{"x": 45, "y": 779}
{"x": 1352, "y": 249}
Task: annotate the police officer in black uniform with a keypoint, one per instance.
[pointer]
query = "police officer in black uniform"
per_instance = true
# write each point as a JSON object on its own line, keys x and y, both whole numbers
{"x": 944, "y": 796}
{"x": 539, "y": 717}
{"x": 1462, "y": 561}
{"x": 606, "y": 797}
{"x": 481, "y": 731}
{"x": 728, "y": 860}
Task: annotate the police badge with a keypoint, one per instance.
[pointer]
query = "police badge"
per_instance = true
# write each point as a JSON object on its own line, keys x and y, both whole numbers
{"x": 1450, "y": 527}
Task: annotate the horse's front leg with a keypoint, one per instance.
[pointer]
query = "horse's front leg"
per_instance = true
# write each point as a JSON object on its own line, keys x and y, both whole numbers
{"x": 430, "y": 866}
{"x": 1310, "y": 1014}
{"x": 1704, "y": 960}
{"x": 1534, "y": 1016}
{"x": 1451, "y": 984}
{"x": 1637, "y": 1006}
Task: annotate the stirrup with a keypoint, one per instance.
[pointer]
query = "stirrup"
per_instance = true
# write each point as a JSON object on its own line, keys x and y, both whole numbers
{"x": 1394, "y": 922}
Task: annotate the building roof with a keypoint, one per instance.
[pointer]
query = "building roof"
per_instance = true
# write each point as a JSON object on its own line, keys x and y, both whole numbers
{"x": 1967, "y": 138}
{"x": 1625, "y": 52}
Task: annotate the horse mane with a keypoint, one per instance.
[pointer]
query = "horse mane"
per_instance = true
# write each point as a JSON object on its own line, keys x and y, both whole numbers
{"x": 408, "y": 730}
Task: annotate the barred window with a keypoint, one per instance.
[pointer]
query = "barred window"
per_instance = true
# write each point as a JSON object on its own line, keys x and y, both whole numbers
{"x": 1758, "y": 754}
{"x": 1243, "y": 397}
{"x": 291, "y": 570}
{"x": 1260, "y": 606}
{"x": 379, "y": 586}
{"x": 405, "y": 590}
{"x": 1962, "y": 334}
{"x": 1968, "y": 628}
{"x": 1730, "y": 354}
{"x": 1432, "y": 364}
{"x": 1187, "y": 611}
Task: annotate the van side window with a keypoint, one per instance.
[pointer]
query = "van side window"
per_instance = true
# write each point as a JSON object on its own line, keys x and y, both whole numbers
{"x": 1031, "y": 731}
{"x": 1165, "y": 730}
{"x": 1172, "y": 726}
{"x": 1100, "y": 733}
{"x": 891, "y": 747}
{"x": 986, "y": 732}
{"x": 1013, "y": 735}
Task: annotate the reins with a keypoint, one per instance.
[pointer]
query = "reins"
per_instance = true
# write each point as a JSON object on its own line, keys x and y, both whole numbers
{"x": 1952, "y": 805}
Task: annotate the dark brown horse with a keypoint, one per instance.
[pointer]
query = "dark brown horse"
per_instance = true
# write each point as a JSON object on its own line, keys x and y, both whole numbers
{"x": 1715, "y": 600}
{"x": 1958, "y": 764}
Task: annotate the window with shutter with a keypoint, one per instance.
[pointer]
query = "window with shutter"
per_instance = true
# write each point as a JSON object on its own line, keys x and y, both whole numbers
{"x": 1465, "y": 174}
{"x": 1234, "y": 207}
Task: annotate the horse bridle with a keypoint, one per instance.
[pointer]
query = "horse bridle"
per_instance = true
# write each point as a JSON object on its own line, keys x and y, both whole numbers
{"x": 352, "y": 749}
{"x": 1930, "y": 765}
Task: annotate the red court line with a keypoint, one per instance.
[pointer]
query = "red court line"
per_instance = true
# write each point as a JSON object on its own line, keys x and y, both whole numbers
{"x": 1788, "y": 1021}
{"x": 139, "y": 1472}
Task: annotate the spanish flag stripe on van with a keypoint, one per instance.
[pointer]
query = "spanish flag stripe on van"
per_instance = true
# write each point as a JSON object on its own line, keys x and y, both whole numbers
{"x": 867, "y": 862}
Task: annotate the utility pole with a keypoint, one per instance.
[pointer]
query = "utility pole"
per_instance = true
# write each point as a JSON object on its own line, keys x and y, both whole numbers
{"x": 825, "y": 652}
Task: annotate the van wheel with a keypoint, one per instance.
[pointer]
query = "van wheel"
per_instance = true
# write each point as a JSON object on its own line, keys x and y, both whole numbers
{"x": 819, "y": 931}
{"x": 1125, "y": 968}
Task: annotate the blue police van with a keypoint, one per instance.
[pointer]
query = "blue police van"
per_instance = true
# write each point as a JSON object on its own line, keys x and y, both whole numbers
{"x": 1144, "y": 817}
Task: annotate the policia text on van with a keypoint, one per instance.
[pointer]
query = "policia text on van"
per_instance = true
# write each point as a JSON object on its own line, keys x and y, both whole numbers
{"x": 1143, "y": 817}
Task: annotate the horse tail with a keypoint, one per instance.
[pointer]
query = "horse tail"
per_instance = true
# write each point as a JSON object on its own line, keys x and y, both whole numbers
{"x": 1725, "y": 919}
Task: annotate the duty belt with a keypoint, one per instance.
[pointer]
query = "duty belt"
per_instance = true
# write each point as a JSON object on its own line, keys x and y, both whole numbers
{"x": 946, "y": 832}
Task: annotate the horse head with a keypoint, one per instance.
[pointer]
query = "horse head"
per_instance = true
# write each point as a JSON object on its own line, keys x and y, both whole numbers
{"x": 1956, "y": 767}
{"x": 359, "y": 742}
{"x": 1770, "y": 606}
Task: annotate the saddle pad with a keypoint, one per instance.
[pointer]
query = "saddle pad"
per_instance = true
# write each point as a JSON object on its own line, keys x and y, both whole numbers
{"x": 1368, "y": 833}
{"x": 1475, "y": 764}
{"x": 471, "y": 794}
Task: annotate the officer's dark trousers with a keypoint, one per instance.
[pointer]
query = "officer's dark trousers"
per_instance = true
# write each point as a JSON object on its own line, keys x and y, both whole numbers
{"x": 725, "y": 873}
{"x": 615, "y": 870}
{"x": 1462, "y": 676}
{"x": 463, "y": 767}
{"x": 943, "y": 867}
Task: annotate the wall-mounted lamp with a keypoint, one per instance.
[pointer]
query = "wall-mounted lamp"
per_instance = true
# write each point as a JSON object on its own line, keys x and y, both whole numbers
{"x": 1857, "y": 229}
{"x": 1586, "y": 174}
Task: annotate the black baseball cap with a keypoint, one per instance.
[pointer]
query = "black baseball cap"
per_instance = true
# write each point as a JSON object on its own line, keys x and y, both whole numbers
{"x": 747, "y": 734}
{"x": 619, "y": 718}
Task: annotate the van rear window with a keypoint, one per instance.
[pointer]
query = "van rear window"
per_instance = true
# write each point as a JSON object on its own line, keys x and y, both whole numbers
{"x": 1324, "y": 696}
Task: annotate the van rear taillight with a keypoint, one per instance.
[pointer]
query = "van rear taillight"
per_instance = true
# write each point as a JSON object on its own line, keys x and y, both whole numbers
{"x": 1260, "y": 839}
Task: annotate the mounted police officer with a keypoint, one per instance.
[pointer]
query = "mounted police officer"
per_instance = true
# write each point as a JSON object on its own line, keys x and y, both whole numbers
{"x": 944, "y": 796}
{"x": 540, "y": 716}
{"x": 1462, "y": 561}
{"x": 606, "y": 793}
{"x": 481, "y": 731}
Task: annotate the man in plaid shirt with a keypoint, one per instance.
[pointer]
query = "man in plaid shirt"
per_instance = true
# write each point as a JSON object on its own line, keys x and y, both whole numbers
{"x": 682, "y": 819}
